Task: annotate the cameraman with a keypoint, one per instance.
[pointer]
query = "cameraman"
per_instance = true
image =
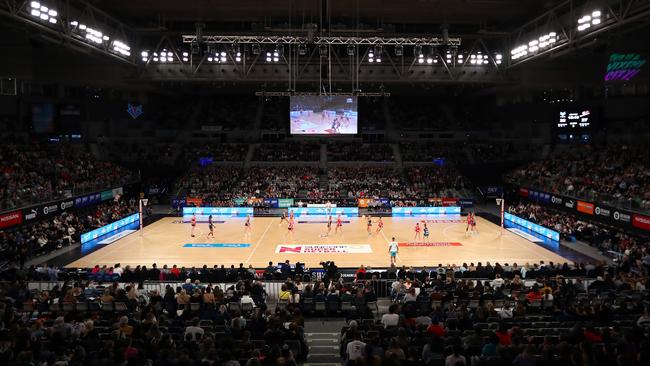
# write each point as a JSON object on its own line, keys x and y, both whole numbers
{"x": 331, "y": 272}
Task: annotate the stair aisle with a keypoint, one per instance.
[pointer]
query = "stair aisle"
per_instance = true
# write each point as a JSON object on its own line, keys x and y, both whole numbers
{"x": 323, "y": 340}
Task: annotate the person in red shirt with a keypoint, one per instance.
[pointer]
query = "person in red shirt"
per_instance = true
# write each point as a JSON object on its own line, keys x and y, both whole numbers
{"x": 175, "y": 271}
{"x": 592, "y": 336}
{"x": 437, "y": 329}
{"x": 361, "y": 270}
{"x": 505, "y": 339}
{"x": 533, "y": 295}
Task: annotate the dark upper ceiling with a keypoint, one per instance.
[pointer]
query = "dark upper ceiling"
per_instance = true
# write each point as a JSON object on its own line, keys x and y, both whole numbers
{"x": 405, "y": 15}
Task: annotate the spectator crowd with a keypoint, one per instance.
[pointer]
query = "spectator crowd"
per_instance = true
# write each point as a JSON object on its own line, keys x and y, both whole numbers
{"x": 616, "y": 174}
{"x": 571, "y": 228}
{"x": 34, "y": 173}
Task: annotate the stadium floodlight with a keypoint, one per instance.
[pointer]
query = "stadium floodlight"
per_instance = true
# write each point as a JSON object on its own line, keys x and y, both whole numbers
{"x": 499, "y": 58}
{"x": 42, "y": 12}
{"x": 378, "y": 51}
{"x": 537, "y": 44}
{"x": 302, "y": 49}
{"x": 238, "y": 57}
{"x": 323, "y": 50}
{"x": 417, "y": 50}
{"x": 351, "y": 50}
{"x": 122, "y": 48}
{"x": 399, "y": 50}
{"x": 420, "y": 58}
{"x": 256, "y": 48}
{"x": 144, "y": 56}
{"x": 588, "y": 20}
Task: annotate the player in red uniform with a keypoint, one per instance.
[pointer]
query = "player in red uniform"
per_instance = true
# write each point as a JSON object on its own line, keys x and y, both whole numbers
{"x": 418, "y": 236}
{"x": 380, "y": 225}
{"x": 193, "y": 221}
{"x": 290, "y": 228}
{"x": 339, "y": 224}
{"x": 247, "y": 226}
{"x": 474, "y": 228}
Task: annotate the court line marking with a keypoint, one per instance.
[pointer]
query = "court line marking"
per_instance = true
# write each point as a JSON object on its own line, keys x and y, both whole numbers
{"x": 258, "y": 242}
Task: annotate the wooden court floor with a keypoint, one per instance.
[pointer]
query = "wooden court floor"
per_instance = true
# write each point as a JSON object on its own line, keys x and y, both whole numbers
{"x": 163, "y": 242}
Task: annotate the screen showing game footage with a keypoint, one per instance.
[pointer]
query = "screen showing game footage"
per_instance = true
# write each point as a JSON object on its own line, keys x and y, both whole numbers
{"x": 323, "y": 115}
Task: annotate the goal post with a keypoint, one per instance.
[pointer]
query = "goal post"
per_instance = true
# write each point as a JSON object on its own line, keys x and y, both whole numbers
{"x": 143, "y": 203}
{"x": 501, "y": 204}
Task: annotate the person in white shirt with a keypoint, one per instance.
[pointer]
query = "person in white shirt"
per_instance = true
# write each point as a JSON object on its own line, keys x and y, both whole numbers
{"x": 505, "y": 312}
{"x": 194, "y": 329}
{"x": 391, "y": 319}
{"x": 356, "y": 350}
{"x": 497, "y": 281}
{"x": 393, "y": 248}
{"x": 246, "y": 299}
{"x": 118, "y": 269}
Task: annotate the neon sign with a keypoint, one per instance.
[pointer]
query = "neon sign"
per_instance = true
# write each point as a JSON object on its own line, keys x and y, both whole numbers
{"x": 624, "y": 66}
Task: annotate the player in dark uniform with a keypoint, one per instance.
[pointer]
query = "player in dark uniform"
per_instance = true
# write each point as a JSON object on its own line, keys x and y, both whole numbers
{"x": 210, "y": 227}
{"x": 369, "y": 226}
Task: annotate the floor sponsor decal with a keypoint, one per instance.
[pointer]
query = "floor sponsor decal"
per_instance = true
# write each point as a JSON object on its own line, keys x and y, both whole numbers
{"x": 431, "y": 244}
{"x": 216, "y": 245}
{"x": 323, "y": 248}
{"x": 116, "y": 237}
{"x": 322, "y": 222}
{"x": 450, "y": 221}
{"x": 525, "y": 235}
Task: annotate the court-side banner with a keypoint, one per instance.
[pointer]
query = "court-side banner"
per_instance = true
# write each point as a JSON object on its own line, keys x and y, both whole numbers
{"x": 411, "y": 211}
{"x": 88, "y": 200}
{"x": 215, "y": 211}
{"x": 551, "y": 234}
{"x": 92, "y": 235}
{"x": 594, "y": 211}
{"x": 49, "y": 209}
{"x": 10, "y": 219}
{"x": 278, "y": 202}
{"x": 323, "y": 211}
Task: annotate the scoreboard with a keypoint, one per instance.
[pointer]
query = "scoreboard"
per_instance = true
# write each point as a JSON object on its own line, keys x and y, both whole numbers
{"x": 574, "y": 119}
{"x": 574, "y": 123}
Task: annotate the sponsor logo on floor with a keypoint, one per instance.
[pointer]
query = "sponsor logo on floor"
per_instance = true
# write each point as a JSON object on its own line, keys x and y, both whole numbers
{"x": 216, "y": 245}
{"x": 525, "y": 235}
{"x": 116, "y": 237}
{"x": 457, "y": 221}
{"x": 322, "y": 222}
{"x": 431, "y": 244}
{"x": 323, "y": 248}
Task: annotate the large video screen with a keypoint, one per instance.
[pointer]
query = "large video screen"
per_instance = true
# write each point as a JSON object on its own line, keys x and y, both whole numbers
{"x": 323, "y": 115}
